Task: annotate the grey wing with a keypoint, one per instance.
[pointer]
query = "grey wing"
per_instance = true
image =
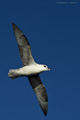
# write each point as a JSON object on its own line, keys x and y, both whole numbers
{"x": 40, "y": 92}
{"x": 24, "y": 46}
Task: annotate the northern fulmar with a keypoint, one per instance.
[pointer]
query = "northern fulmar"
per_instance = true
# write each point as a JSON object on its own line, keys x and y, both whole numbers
{"x": 30, "y": 69}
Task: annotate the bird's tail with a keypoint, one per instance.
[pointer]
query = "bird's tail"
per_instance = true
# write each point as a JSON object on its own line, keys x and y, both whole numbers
{"x": 12, "y": 74}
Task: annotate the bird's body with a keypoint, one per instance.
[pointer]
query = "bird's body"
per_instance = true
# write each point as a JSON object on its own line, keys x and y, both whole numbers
{"x": 27, "y": 70}
{"x": 30, "y": 69}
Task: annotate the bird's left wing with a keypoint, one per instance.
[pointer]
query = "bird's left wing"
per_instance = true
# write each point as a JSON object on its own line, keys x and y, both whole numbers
{"x": 24, "y": 46}
{"x": 40, "y": 92}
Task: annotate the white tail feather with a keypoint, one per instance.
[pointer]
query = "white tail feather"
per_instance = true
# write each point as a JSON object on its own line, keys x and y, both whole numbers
{"x": 12, "y": 74}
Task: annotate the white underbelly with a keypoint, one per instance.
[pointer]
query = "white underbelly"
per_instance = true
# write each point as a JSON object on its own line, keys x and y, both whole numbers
{"x": 28, "y": 70}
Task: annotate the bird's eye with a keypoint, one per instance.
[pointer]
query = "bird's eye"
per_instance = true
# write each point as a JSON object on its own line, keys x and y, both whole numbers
{"x": 44, "y": 65}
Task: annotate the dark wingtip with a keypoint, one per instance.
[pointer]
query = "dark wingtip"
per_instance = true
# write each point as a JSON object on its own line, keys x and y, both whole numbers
{"x": 45, "y": 110}
{"x": 13, "y": 25}
{"x": 45, "y": 113}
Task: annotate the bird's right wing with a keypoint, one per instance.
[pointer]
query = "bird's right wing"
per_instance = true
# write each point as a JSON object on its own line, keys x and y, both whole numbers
{"x": 24, "y": 46}
{"x": 40, "y": 92}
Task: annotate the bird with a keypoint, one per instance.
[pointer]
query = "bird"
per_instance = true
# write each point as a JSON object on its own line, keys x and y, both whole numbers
{"x": 30, "y": 68}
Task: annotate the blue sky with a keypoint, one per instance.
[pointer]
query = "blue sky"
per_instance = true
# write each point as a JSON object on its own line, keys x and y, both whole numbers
{"x": 53, "y": 31}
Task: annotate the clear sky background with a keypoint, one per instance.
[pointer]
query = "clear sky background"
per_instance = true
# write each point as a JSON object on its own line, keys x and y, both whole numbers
{"x": 53, "y": 31}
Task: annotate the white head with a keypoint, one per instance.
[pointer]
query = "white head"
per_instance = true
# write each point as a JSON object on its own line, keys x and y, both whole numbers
{"x": 43, "y": 68}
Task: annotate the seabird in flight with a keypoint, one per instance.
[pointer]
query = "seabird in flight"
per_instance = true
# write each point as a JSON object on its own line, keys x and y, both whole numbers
{"x": 30, "y": 68}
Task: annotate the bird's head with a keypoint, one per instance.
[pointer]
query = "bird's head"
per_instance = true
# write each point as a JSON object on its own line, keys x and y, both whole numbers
{"x": 44, "y": 68}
